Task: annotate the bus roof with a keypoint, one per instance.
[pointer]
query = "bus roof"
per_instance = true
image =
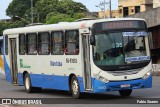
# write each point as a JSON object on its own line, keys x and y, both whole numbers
{"x": 61, "y": 26}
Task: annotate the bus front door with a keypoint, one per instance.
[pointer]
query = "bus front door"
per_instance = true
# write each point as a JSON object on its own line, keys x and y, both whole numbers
{"x": 13, "y": 59}
{"x": 86, "y": 59}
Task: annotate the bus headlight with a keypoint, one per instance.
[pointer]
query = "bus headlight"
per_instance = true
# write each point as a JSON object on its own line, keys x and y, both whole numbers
{"x": 100, "y": 78}
{"x": 146, "y": 75}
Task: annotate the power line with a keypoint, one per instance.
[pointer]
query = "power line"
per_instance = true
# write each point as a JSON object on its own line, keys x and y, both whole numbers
{"x": 102, "y": 6}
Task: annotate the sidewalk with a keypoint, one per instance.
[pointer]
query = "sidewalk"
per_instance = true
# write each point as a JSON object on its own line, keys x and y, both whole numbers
{"x": 156, "y": 70}
{"x": 2, "y": 76}
{"x": 156, "y": 73}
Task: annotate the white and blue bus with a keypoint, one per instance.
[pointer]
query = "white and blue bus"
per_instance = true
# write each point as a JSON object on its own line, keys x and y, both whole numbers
{"x": 92, "y": 56}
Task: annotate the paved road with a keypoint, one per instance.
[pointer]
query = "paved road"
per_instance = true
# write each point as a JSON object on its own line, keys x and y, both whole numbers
{"x": 9, "y": 91}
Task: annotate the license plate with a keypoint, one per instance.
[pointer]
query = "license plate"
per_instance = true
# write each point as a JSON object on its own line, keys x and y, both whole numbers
{"x": 125, "y": 85}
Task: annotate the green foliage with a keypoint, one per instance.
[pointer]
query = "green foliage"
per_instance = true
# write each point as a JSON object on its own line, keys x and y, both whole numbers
{"x": 7, "y": 25}
{"x": 48, "y": 11}
{"x": 19, "y": 8}
{"x": 41, "y": 9}
{"x": 78, "y": 15}
{"x": 69, "y": 7}
{"x": 58, "y": 17}
{"x": 55, "y": 18}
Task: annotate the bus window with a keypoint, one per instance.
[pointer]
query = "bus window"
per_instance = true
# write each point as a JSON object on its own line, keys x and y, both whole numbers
{"x": 57, "y": 43}
{"x": 1, "y": 47}
{"x": 44, "y": 43}
{"x": 22, "y": 44}
{"x": 6, "y": 45}
{"x": 72, "y": 42}
{"x": 32, "y": 44}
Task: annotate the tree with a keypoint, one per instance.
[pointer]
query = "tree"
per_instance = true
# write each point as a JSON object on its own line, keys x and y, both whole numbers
{"x": 78, "y": 15}
{"x": 55, "y": 18}
{"x": 69, "y": 7}
{"x": 42, "y": 8}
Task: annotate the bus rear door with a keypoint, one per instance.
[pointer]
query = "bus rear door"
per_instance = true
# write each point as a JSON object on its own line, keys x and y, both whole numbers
{"x": 13, "y": 60}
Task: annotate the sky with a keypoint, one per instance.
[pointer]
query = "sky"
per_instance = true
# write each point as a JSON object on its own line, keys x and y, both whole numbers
{"x": 90, "y": 4}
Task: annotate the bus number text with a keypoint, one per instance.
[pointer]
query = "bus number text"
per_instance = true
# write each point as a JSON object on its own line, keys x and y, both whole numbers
{"x": 71, "y": 60}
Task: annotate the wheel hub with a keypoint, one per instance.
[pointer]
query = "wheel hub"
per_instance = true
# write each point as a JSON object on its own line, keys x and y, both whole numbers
{"x": 27, "y": 83}
{"x": 75, "y": 87}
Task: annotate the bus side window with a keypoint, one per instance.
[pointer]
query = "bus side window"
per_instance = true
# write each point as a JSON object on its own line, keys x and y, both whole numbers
{"x": 6, "y": 45}
{"x": 1, "y": 47}
{"x": 57, "y": 43}
{"x": 31, "y": 44}
{"x": 22, "y": 44}
{"x": 44, "y": 43}
{"x": 72, "y": 42}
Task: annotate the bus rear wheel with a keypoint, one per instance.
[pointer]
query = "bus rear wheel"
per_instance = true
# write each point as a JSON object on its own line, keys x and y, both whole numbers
{"x": 125, "y": 93}
{"x": 28, "y": 86}
{"x": 75, "y": 88}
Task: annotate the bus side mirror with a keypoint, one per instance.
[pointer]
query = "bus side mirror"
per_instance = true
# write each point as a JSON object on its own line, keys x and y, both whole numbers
{"x": 92, "y": 40}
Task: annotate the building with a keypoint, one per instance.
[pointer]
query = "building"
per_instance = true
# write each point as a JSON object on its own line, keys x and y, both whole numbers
{"x": 114, "y": 14}
{"x": 156, "y": 3}
{"x": 5, "y": 20}
{"x": 130, "y": 7}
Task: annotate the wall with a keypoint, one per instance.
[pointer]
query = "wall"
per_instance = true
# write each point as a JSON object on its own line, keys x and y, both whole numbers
{"x": 156, "y": 3}
{"x": 151, "y": 17}
{"x": 115, "y": 14}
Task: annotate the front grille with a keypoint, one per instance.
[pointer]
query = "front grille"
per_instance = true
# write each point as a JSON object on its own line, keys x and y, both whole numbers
{"x": 125, "y": 72}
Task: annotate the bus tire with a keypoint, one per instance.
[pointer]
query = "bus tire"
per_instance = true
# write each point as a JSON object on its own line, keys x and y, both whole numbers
{"x": 75, "y": 88}
{"x": 125, "y": 93}
{"x": 27, "y": 84}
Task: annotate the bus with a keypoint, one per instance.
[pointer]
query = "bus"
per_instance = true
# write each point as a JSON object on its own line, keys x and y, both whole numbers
{"x": 1, "y": 56}
{"x": 90, "y": 56}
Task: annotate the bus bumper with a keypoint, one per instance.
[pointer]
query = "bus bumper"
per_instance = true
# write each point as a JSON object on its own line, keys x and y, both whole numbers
{"x": 122, "y": 85}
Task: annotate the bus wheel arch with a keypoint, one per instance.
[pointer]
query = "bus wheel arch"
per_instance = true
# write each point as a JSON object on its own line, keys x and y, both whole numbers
{"x": 28, "y": 85}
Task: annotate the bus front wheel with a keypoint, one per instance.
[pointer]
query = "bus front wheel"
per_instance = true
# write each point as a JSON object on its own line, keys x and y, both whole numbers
{"x": 75, "y": 88}
{"x": 125, "y": 93}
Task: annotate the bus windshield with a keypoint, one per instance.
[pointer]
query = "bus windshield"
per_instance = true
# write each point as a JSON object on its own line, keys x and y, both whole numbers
{"x": 120, "y": 50}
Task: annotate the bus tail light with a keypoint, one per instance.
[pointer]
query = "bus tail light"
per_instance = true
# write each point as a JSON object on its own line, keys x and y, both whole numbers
{"x": 100, "y": 78}
{"x": 146, "y": 75}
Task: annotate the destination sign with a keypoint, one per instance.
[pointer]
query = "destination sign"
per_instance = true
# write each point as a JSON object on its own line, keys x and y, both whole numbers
{"x": 122, "y": 25}
{"x": 119, "y": 25}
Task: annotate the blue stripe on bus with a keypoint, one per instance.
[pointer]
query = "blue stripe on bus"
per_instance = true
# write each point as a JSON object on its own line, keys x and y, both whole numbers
{"x": 7, "y": 70}
{"x": 50, "y": 81}
{"x": 115, "y": 86}
{"x": 61, "y": 83}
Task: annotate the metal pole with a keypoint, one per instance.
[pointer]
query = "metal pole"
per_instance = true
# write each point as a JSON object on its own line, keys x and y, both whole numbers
{"x": 32, "y": 10}
{"x": 38, "y": 17}
{"x": 110, "y": 8}
{"x": 102, "y": 6}
{"x": 104, "y": 9}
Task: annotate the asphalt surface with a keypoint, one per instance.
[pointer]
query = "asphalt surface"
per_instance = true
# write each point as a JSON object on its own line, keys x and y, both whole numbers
{"x": 64, "y": 99}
